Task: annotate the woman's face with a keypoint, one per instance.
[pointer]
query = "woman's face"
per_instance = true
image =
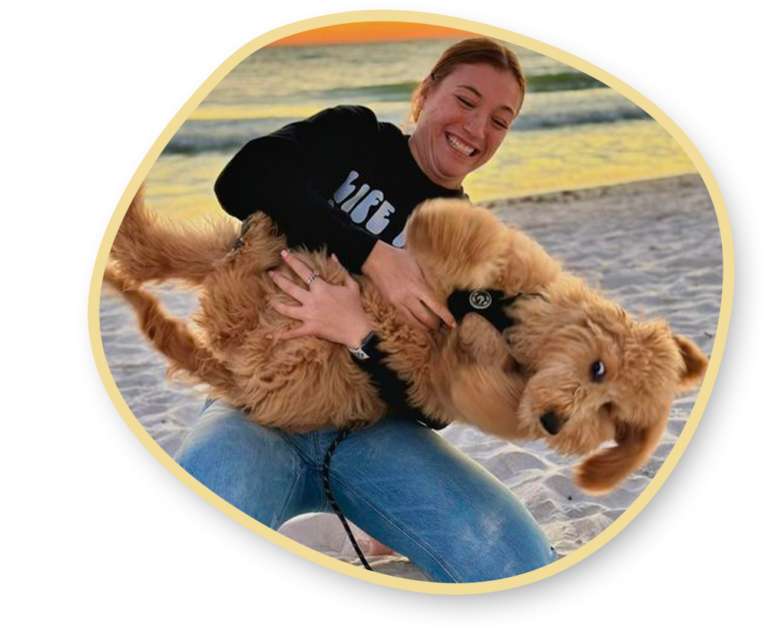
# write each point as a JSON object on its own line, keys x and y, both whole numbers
{"x": 463, "y": 121}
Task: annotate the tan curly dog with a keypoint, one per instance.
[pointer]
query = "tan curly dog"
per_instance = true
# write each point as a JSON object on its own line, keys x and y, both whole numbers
{"x": 572, "y": 367}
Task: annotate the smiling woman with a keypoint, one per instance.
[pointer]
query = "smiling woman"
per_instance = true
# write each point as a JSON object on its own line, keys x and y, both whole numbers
{"x": 464, "y": 108}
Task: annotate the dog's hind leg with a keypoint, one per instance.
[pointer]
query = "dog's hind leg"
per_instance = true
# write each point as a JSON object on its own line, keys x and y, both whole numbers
{"x": 149, "y": 248}
{"x": 259, "y": 244}
{"x": 171, "y": 336}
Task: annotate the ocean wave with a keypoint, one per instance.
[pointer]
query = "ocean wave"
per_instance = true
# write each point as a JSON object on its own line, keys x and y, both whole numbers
{"x": 560, "y": 82}
{"x": 199, "y": 136}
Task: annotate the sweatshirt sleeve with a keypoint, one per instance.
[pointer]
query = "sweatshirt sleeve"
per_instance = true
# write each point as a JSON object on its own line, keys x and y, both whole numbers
{"x": 274, "y": 174}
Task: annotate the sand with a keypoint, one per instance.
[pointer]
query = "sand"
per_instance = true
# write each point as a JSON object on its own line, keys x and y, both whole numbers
{"x": 653, "y": 246}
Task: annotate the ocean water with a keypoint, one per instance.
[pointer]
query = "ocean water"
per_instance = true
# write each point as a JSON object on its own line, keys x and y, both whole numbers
{"x": 573, "y": 132}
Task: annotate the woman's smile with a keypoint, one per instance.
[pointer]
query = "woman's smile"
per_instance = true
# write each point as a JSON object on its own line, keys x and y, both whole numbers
{"x": 460, "y": 146}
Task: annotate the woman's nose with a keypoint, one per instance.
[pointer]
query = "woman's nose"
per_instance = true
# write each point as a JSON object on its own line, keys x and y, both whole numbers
{"x": 474, "y": 125}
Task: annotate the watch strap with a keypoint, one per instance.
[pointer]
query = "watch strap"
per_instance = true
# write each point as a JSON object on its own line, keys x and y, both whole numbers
{"x": 366, "y": 348}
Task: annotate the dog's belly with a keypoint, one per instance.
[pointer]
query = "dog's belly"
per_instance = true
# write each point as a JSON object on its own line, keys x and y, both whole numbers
{"x": 302, "y": 384}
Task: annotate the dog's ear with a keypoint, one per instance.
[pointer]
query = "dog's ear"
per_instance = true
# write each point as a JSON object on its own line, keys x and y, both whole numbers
{"x": 695, "y": 363}
{"x": 457, "y": 244}
{"x": 603, "y": 471}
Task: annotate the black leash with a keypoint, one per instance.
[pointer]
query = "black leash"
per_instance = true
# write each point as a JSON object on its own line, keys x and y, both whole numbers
{"x": 332, "y": 501}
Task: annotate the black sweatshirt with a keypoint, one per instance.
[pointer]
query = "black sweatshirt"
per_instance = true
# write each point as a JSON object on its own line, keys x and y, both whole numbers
{"x": 339, "y": 179}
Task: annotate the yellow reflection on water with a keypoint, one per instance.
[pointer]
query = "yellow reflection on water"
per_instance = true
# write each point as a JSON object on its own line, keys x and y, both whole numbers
{"x": 182, "y": 186}
{"x": 577, "y": 158}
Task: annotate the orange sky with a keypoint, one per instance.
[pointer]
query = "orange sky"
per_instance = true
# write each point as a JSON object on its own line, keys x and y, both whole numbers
{"x": 370, "y": 32}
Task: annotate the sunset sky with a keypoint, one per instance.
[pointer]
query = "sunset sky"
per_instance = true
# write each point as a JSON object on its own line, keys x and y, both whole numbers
{"x": 369, "y": 32}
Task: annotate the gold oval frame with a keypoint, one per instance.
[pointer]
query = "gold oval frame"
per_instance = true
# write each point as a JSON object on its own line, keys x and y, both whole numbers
{"x": 614, "y": 529}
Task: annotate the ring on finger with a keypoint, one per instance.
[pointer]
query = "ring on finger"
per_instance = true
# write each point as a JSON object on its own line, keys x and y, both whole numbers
{"x": 312, "y": 277}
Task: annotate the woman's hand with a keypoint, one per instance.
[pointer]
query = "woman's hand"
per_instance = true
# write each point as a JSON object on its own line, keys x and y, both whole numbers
{"x": 329, "y": 311}
{"x": 401, "y": 281}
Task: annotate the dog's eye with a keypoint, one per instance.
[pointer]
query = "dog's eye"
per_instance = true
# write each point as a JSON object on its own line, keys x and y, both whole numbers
{"x": 598, "y": 371}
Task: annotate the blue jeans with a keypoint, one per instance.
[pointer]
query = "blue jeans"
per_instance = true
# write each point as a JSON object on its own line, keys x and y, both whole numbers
{"x": 400, "y": 482}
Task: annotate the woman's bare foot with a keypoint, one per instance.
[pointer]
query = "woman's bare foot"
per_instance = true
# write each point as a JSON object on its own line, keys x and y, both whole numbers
{"x": 375, "y": 548}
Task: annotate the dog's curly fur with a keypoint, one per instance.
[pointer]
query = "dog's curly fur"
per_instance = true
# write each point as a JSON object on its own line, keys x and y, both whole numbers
{"x": 536, "y": 379}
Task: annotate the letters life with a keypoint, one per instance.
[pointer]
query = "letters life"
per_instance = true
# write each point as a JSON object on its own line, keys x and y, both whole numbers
{"x": 365, "y": 206}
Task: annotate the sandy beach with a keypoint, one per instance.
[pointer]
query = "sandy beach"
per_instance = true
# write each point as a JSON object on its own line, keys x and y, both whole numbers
{"x": 653, "y": 246}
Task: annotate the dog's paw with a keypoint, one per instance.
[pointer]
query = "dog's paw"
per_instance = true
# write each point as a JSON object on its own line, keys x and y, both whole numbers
{"x": 460, "y": 245}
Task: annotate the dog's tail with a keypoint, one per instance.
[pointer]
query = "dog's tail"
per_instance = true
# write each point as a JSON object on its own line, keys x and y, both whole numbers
{"x": 149, "y": 248}
{"x": 171, "y": 337}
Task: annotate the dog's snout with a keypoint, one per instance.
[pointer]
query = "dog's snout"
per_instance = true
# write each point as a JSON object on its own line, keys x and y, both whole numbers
{"x": 552, "y": 422}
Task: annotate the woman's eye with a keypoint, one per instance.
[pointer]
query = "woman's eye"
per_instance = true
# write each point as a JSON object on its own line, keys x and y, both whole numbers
{"x": 468, "y": 104}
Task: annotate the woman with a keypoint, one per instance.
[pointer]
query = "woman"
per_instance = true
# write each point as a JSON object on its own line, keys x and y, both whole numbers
{"x": 345, "y": 181}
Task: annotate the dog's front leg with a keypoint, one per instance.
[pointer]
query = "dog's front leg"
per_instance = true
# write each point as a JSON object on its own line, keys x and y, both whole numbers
{"x": 476, "y": 341}
{"x": 482, "y": 382}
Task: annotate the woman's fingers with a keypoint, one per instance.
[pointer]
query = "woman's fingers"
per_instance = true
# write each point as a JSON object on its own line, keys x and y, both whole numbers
{"x": 348, "y": 280}
{"x": 301, "y": 269}
{"x": 419, "y": 306}
{"x": 437, "y": 308}
{"x": 283, "y": 334}
{"x": 289, "y": 287}
{"x": 402, "y": 283}
{"x": 440, "y": 310}
{"x": 427, "y": 310}
{"x": 298, "y": 313}
{"x": 294, "y": 312}
{"x": 425, "y": 316}
{"x": 330, "y": 311}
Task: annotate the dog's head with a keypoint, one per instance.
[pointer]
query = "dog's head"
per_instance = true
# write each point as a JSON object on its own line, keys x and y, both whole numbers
{"x": 596, "y": 375}
{"x": 576, "y": 369}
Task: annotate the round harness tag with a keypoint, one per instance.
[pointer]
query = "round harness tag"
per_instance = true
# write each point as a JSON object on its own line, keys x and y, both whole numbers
{"x": 480, "y": 300}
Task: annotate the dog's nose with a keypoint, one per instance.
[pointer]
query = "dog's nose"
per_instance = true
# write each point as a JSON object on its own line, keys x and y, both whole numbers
{"x": 552, "y": 422}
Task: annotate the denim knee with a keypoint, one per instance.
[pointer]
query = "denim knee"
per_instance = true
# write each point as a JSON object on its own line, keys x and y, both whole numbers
{"x": 494, "y": 546}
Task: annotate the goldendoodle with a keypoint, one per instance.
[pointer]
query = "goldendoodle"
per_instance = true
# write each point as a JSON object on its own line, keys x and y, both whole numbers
{"x": 564, "y": 364}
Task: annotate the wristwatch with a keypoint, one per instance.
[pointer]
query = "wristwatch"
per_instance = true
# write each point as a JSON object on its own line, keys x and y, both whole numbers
{"x": 363, "y": 351}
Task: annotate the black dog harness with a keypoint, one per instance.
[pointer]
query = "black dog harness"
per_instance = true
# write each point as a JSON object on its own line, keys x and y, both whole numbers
{"x": 488, "y": 303}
